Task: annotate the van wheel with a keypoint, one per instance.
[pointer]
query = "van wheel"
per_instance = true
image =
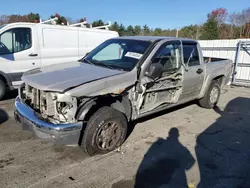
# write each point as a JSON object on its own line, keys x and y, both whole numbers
{"x": 212, "y": 96}
{"x": 2, "y": 89}
{"x": 106, "y": 130}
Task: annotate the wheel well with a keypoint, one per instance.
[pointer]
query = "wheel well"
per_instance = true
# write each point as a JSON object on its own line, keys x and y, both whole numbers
{"x": 3, "y": 79}
{"x": 119, "y": 103}
{"x": 220, "y": 79}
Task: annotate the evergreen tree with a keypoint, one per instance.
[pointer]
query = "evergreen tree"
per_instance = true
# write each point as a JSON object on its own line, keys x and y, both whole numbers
{"x": 114, "y": 27}
{"x": 121, "y": 30}
{"x": 130, "y": 31}
{"x": 210, "y": 30}
{"x": 33, "y": 17}
{"x": 97, "y": 23}
{"x": 146, "y": 30}
{"x": 137, "y": 30}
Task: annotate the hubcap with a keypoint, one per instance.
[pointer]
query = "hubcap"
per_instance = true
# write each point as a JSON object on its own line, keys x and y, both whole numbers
{"x": 214, "y": 95}
{"x": 108, "y": 135}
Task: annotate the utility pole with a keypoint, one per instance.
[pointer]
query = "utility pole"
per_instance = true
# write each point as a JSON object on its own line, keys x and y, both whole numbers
{"x": 177, "y": 32}
{"x": 197, "y": 33}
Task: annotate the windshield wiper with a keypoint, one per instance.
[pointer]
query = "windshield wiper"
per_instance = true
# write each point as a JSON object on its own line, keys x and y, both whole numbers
{"x": 87, "y": 61}
{"x": 98, "y": 63}
{"x": 102, "y": 63}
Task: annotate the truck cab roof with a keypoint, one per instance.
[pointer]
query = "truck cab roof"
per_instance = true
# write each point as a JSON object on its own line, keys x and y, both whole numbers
{"x": 154, "y": 38}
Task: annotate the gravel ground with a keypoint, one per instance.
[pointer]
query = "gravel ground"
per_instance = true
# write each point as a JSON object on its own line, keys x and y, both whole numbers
{"x": 184, "y": 146}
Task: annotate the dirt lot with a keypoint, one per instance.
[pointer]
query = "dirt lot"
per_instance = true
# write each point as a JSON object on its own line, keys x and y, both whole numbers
{"x": 184, "y": 146}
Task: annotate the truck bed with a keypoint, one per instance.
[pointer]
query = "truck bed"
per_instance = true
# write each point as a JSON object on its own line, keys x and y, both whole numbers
{"x": 212, "y": 59}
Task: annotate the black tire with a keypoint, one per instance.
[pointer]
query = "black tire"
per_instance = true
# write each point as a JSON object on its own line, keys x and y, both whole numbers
{"x": 97, "y": 122}
{"x": 2, "y": 89}
{"x": 205, "y": 102}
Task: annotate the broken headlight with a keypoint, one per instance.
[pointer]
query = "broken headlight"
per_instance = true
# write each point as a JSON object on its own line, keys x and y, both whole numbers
{"x": 66, "y": 107}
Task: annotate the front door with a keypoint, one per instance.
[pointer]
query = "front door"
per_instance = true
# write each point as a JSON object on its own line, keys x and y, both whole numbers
{"x": 194, "y": 74}
{"x": 19, "y": 52}
{"x": 165, "y": 89}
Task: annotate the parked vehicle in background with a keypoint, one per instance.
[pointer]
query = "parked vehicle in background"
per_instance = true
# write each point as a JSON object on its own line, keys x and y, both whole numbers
{"x": 89, "y": 103}
{"x": 25, "y": 46}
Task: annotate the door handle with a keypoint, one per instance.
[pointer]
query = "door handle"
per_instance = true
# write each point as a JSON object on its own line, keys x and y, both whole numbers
{"x": 33, "y": 54}
{"x": 199, "y": 71}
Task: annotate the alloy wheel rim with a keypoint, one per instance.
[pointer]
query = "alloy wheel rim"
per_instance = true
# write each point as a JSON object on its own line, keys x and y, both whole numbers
{"x": 214, "y": 95}
{"x": 108, "y": 135}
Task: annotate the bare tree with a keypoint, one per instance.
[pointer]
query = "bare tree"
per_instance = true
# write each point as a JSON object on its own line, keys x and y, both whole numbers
{"x": 70, "y": 20}
{"x": 233, "y": 20}
{"x": 219, "y": 14}
{"x": 17, "y": 18}
{"x": 4, "y": 19}
{"x": 246, "y": 22}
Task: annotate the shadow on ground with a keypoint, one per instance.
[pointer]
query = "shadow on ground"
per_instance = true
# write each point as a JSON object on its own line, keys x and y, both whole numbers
{"x": 132, "y": 124}
{"x": 3, "y": 116}
{"x": 223, "y": 149}
{"x": 164, "y": 164}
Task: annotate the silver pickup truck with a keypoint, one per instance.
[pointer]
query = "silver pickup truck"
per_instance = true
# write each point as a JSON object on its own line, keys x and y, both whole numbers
{"x": 90, "y": 102}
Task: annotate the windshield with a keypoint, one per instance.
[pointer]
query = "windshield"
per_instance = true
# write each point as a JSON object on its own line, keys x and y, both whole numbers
{"x": 120, "y": 54}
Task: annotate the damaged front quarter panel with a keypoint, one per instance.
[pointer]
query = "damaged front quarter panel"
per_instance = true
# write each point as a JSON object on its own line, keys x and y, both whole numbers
{"x": 115, "y": 84}
{"x": 115, "y": 91}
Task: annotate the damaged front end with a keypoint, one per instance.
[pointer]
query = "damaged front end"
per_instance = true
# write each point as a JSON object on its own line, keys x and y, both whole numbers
{"x": 51, "y": 106}
{"x": 48, "y": 115}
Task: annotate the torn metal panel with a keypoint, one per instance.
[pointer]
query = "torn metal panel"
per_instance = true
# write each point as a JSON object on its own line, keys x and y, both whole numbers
{"x": 166, "y": 90}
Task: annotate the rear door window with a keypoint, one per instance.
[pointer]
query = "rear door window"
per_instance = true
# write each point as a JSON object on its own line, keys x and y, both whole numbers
{"x": 191, "y": 54}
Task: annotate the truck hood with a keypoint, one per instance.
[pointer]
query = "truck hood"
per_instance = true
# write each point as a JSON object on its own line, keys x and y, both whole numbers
{"x": 61, "y": 77}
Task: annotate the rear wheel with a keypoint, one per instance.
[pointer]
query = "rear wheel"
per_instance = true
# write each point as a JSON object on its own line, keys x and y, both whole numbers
{"x": 2, "y": 89}
{"x": 212, "y": 96}
{"x": 106, "y": 130}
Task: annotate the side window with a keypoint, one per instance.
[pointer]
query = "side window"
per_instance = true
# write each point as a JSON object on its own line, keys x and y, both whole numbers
{"x": 169, "y": 55}
{"x": 15, "y": 40}
{"x": 6, "y": 43}
{"x": 110, "y": 52}
{"x": 191, "y": 54}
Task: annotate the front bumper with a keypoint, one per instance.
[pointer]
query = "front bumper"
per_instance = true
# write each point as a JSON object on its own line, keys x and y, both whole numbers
{"x": 66, "y": 134}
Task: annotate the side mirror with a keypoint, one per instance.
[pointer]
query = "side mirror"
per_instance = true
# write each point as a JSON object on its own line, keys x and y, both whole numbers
{"x": 154, "y": 70}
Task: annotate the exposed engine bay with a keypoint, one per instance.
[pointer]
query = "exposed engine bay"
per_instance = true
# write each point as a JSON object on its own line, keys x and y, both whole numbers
{"x": 50, "y": 106}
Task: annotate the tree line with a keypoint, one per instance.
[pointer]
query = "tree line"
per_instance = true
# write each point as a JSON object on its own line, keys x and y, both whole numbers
{"x": 219, "y": 25}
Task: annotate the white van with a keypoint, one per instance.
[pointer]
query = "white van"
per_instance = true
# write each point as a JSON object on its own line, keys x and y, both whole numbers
{"x": 25, "y": 46}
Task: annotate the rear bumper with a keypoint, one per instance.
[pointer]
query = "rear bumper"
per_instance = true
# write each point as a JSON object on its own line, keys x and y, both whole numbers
{"x": 66, "y": 134}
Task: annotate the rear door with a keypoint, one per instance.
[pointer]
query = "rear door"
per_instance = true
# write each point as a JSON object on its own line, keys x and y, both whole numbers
{"x": 194, "y": 75}
{"x": 19, "y": 51}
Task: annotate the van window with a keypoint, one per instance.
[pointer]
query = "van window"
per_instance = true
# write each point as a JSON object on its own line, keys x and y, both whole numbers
{"x": 15, "y": 40}
{"x": 191, "y": 54}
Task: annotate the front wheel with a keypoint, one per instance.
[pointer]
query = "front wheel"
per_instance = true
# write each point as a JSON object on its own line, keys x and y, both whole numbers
{"x": 106, "y": 130}
{"x": 212, "y": 96}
